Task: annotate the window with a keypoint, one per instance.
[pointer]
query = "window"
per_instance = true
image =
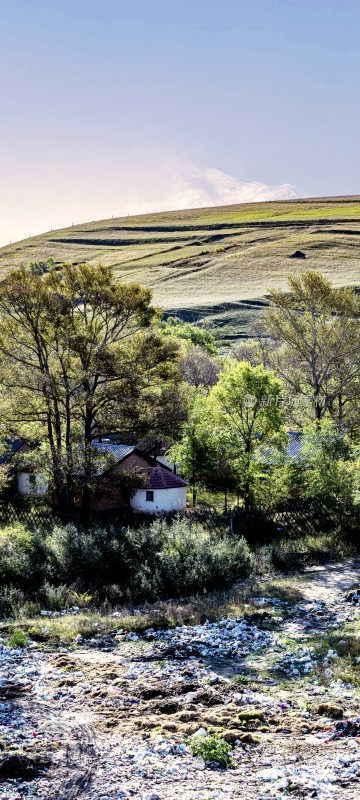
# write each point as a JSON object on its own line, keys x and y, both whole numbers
{"x": 150, "y": 496}
{"x": 32, "y": 479}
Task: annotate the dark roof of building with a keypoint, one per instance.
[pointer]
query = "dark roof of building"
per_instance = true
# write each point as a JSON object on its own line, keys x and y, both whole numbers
{"x": 295, "y": 445}
{"x": 159, "y": 478}
{"x": 270, "y": 455}
{"x": 11, "y": 447}
{"x": 120, "y": 451}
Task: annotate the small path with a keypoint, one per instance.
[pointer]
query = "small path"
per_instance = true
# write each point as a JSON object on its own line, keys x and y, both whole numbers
{"x": 331, "y": 581}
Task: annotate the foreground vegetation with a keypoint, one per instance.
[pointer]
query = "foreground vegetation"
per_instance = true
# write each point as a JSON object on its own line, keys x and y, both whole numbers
{"x": 113, "y": 565}
{"x": 160, "y": 576}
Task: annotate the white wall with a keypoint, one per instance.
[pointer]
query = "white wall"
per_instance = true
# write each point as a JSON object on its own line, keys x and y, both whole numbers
{"x": 40, "y": 487}
{"x": 164, "y": 500}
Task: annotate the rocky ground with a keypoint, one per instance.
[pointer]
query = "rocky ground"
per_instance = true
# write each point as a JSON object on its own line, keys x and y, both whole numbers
{"x": 114, "y": 717}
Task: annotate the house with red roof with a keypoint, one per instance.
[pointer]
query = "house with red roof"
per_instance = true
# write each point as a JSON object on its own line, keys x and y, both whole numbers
{"x": 163, "y": 490}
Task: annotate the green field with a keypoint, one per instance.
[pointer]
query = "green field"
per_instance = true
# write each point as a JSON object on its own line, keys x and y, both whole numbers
{"x": 213, "y": 263}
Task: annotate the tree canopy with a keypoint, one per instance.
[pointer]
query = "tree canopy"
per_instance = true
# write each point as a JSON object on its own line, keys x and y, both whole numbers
{"x": 247, "y": 410}
{"x": 189, "y": 334}
{"x": 317, "y": 328}
{"x": 79, "y": 354}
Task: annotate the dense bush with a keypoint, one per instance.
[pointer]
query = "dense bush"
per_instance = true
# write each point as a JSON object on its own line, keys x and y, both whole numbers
{"x": 148, "y": 563}
{"x": 11, "y": 601}
{"x": 189, "y": 559}
{"x": 23, "y": 557}
{"x": 152, "y": 562}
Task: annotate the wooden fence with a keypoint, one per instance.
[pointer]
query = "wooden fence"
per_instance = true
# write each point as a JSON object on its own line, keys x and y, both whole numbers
{"x": 28, "y": 515}
{"x": 293, "y": 518}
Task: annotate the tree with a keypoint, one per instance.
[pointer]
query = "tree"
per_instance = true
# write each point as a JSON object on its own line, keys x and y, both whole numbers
{"x": 318, "y": 328}
{"x": 193, "y": 454}
{"x": 246, "y": 408}
{"x": 79, "y": 353}
{"x": 224, "y": 474}
{"x": 163, "y": 417}
{"x": 189, "y": 334}
{"x": 327, "y": 460}
{"x": 249, "y": 351}
{"x": 199, "y": 368}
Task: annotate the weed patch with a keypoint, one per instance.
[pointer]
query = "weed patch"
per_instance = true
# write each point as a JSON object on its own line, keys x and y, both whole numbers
{"x": 213, "y": 750}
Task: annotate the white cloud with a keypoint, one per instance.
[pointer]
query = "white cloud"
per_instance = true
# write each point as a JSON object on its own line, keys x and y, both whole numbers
{"x": 40, "y": 198}
{"x": 192, "y": 187}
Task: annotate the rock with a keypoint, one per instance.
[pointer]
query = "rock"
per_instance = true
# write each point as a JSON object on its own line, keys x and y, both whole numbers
{"x": 200, "y": 732}
{"x": 190, "y": 697}
{"x": 298, "y": 254}
{"x": 21, "y": 767}
{"x": 232, "y": 736}
{"x": 328, "y": 710}
{"x": 271, "y": 774}
{"x": 328, "y": 673}
{"x": 282, "y": 784}
{"x": 249, "y": 738}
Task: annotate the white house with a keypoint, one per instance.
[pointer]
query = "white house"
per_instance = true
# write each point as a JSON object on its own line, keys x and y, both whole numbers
{"x": 31, "y": 483}
{"x": 164, "y": 491}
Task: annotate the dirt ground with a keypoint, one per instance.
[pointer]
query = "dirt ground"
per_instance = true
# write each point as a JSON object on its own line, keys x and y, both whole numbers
{"x": 113, "y": 719}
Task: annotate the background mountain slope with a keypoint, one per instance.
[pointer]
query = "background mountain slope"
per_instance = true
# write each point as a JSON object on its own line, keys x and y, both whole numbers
{"x": 216, "y": 263}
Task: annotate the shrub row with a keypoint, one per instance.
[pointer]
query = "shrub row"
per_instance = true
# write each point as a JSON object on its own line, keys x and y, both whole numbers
{"x": 159, "y": 561}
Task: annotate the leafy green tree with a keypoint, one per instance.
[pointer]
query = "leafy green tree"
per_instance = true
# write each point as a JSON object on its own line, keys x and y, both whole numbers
{"x": 79, "y": 354}
{"x": 225, "y": 472}
{"x": 189, "y": 334}
{"x": 193, "y": 454}
{"x": 246, "y": 408}
{"x": 329, "y": 466}
{"x": 317, "y": 328}
{"x": 162, "y": 418}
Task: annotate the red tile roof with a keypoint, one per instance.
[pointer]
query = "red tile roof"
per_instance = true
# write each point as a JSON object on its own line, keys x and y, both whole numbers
{"x": 159, "y": 478}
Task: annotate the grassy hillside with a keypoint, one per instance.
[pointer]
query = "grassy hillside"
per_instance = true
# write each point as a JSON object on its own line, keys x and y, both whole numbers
{"x": 216, "y": 263}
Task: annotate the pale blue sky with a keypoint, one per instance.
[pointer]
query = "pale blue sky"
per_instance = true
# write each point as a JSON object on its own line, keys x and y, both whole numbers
{"x": 110, "y": 107}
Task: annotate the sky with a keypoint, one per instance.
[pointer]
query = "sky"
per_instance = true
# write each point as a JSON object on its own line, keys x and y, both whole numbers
{"x": 115, "y": 107}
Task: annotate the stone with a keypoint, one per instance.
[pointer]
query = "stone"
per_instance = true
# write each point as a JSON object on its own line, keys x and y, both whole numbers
{"x": 328, "y": 710}
{"x": 200, "y": 732}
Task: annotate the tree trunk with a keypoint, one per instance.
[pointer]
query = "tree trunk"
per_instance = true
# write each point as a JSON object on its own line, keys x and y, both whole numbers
{"x": 247, "y": 493}
{"x": 86, "y": 488}
{"x": 194, "y": 493}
